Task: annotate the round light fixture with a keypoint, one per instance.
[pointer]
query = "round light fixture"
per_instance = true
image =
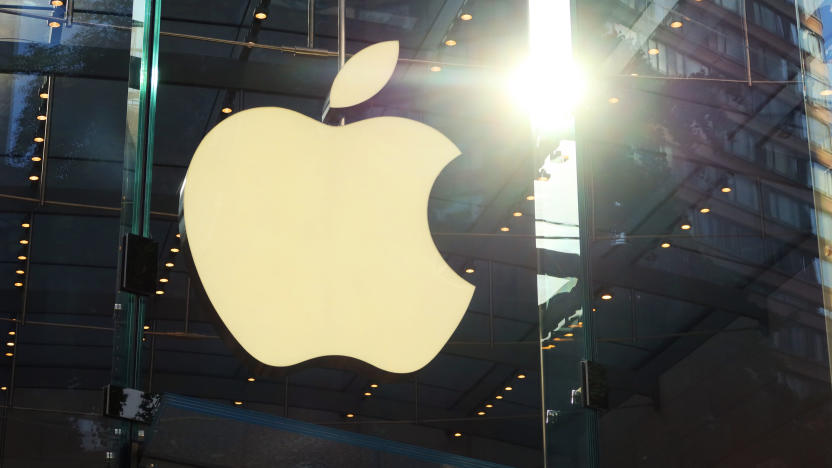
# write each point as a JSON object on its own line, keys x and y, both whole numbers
{"x": 665, "y": 245}
{"x": 685, "y": 227}
{"x": 54, "y": 24}
{"x": 705, "y": 210}
{"x": 435, "y": 68}
{"x": 606, "y": 296}
{"x": 725, "y": 189}
{"x": 676, "y": 24}
{"x": 450, "y": 43}
{"x": 466, "y": 17}
{"x": 653, "y": 51}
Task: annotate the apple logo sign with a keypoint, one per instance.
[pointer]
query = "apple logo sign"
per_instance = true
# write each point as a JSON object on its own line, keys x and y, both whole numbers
{"x": 311, "y": 240}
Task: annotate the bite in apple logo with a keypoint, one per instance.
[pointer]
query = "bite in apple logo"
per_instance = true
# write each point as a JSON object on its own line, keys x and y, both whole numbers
{"x": 312, "y": 240}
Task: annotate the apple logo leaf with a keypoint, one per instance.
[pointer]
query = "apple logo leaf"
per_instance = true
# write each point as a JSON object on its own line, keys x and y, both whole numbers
{"x": 364, "y": 74}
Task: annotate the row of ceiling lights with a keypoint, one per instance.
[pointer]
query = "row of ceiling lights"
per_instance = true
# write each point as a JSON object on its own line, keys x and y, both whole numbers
{"x": 40, "y": 135}
{"x": 53, "y": 23}
{"x": 449, "y": 42}
{"x": 509, "y": 386}
{"x": 23, "y": 255}
{"x": 169, "y": 264}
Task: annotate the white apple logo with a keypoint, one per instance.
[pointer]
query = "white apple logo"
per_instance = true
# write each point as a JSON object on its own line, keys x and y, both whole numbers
{"x": 312, "y": 240}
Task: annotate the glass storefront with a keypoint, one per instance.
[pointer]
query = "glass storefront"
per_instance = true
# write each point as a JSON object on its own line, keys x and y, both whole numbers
{"x": 641, "y": 201}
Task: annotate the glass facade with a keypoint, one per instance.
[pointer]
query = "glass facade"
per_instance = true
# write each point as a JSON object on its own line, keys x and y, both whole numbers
{"x": 641, "y": 201}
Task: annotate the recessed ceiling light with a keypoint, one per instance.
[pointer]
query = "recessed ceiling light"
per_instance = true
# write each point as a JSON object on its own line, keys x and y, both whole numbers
{"x": 517, "y": 214}
{"x": 508, "y": 389}
{"x": 178, "y": 235}
{"x": 489, "y": 405}
{"x": 505, "y": 229}
{"x": 725, "y": 189}
{"x": 163, "y": 280}
{"x": 521, "y": 376}
{"x": 18, "y": 284}
{"x": 633, "y": 74}
{"x": 469, "y": 270}
{"x": 169, "y": 264}
{"x": 25, "y": 225}
{"x": 685, "y": 227}
{"x": 665, "y": 245}
{"x": 373, "y": 385}
{"x": 44, "y": 95}
{"x": 251, "y": 379}
{"x": 41, "y": 117}
{"x": 826, "y": 92}
{"x": 435, "y": 68}
{"x": 676, "y": 24}
{"x": 33, "y": 178}
{"x": 54, "y": 24}
{"x": 568, "y": 335}
{"x": 10, "y": 344}
{"x": 12, "y": 333}
{"x": 24, "y": 241}
{"x": 38, "y": 139}
{"x": 4, "y": 388}
{"x": 606, "y": 296}
{"x": 457, "y": 434}
{"x": 227, "y": 110}
{"x": 499, "y": 397}
{"x": 9, "y": 354}
{"x": 613, "y": 100}
{"x": 450, "y": 43}
{"x": 159, "y": 292}
{"x": 21, "y": 257}
{"x": 19, "y": 272}
{"x": 57, "y": 3}
{"x": 350, "y": 415}
{"x": 174, "y": 250}
{"x": 480, "y": 413}
{"x": 529, "y": 197}
{"x": 466, "y": 17}
{"x": 146, "y": 327}
{"x": 36, "y": 159}
{"x": 705, "y": 210}
{"x": 238, "y": 403}
{"x": 653, "y": 51}
{"x": 368, "y": 393}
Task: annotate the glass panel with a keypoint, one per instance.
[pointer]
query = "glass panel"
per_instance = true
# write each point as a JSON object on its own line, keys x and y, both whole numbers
{"x": 706, "y": 278}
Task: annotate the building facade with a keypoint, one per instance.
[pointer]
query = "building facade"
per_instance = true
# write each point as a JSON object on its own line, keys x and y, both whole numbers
{"x": 641, "y": 202}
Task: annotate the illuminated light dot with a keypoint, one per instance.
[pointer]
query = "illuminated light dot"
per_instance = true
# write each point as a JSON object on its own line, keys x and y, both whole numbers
{"x": 499, "y": 397}
{"x": 178, "y": 235}
{"x": 633, "y": 74}
{"x": 261, "y": 15}
{"x": 10, "y": 344}
{"x": 653, "y": 51}
{"x": 826, "y": 92}
{"x": 676, "y": 24}
{"x": 480, "y": 413}
{"x": 159, "y": 292}
{"x": 705, "y": 210}
{"x": 21, "y": 257}
{"x": 350, "y": 415}
{"x": 19, "y": 272}
{"x": 57, "y": 3}
{"x": 25, "y": 225}
{"x": 725, "y": 189}
{"x": 684, "y": 227}
{"x": 34, "y": 178}
{"x": 466, "y": 17}
{"x": 529, "y": 197}
{"x": 251, "y": 379}
{"x": 517, "y": 214}
{"x": 18, "y": 284}
{"x": 508, "y": 389}
{"x": 169, "y": 264}
{"x": 44, "y": 95}
{"x": 436, "y": 68}
{"x": 613, "y": 100}
{"x": 38, "y": 139}
{"x": 9, "y": 354}
{"x": 374, "y": 385}
{"x": 505, "y": 229}
{"x": 568, "y": 335}
{"x": 521, "y": 376}
{"x": 368, "y": 393}
{"x": 4, "y": 388}
{"x": 163, "y": 280}
{"x": 450, "y": 43}
{"x": 469, "y": 270}
{"x": 146, "y": 327}
{"x": 227, "y": 110}
{"x": 580, "y": 324}
{"x": 24, "y": 241}
{"x": 41, "y": 117}
{"x": 665, "y": 245}
{"x": 238, "y": 403}
{"x": 37, "y": 159}
{"x": 489, "y": 405}
{"x": 174, "y": 250}
{"x": 457, "y": 434}
{"x": 606, "y": 296}
{"x": 12, "y": 333}
{"x": 54, "y": 24}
